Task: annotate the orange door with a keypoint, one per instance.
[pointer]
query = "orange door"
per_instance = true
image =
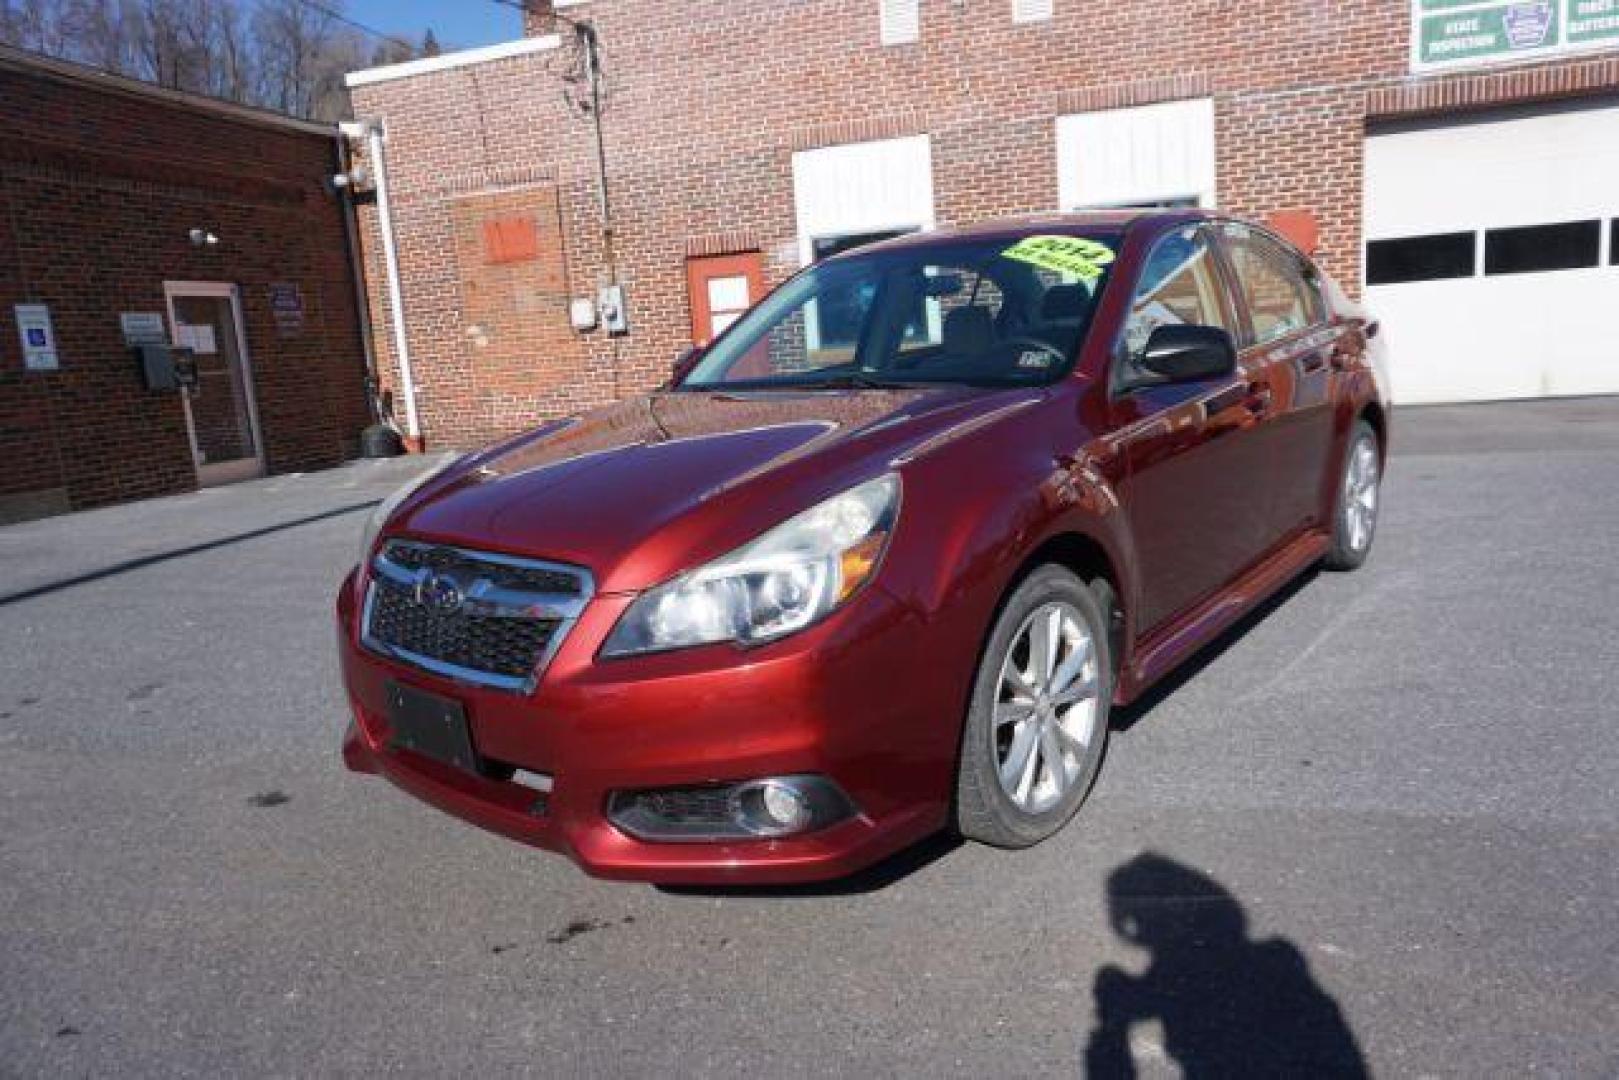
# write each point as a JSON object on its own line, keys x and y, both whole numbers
{"x": 722, "y": 288}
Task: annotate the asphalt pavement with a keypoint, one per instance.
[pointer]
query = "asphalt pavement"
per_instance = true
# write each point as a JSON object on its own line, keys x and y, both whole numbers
{"x": 1379, "y": 824}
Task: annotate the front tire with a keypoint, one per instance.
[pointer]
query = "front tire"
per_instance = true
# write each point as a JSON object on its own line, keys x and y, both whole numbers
{"x": 1360, "y": 497}
{"x": 1037, "y": 723}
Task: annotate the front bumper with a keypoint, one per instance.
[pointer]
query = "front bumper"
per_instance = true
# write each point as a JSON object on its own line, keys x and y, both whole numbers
{"x": 841, "y": 700}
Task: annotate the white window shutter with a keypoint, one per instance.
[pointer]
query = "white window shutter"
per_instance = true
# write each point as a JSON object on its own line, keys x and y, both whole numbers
{"x": 901, "y": 21}
{"x": 1138, "y": 156}
{"x": 1031, "y": 10}
{"x": 859, "y": 188}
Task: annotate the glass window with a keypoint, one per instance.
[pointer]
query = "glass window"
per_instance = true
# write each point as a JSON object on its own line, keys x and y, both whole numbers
{"x": 1279, "y": 296}
{"x": 1565, "y": 245}
{"x": 1421, "y": 258}
{"x": 1179, "y": 285}
{"x": 983, "y": 312}
{"x": 837, "y": 317}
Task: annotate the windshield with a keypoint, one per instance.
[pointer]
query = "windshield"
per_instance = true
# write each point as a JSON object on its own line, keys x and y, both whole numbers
{"x": 1001, "y": 312}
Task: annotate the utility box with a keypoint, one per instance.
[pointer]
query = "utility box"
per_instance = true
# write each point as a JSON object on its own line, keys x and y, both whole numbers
{"x": 610, "y": 302}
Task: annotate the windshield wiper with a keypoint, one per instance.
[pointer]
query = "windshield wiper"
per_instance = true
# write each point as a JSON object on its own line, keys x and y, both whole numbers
{"x": 851, "y": 381}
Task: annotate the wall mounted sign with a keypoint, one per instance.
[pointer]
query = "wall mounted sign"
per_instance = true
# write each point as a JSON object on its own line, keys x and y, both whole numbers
{"x": 198, "y": 337}
{"x": 1448, "y": 34}
{"x": 143, "y": 328}
{"x": 38, "y": 338}
{"x": 287, "y": 304}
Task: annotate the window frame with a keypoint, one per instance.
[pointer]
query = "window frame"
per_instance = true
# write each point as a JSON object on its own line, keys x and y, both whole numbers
{"x": 1124, "y": 378}
{"x": 1308, "y": 273}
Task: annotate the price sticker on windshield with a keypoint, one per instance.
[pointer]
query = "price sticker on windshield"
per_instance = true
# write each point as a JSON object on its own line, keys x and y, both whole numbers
{"x": 1075, "y": 255}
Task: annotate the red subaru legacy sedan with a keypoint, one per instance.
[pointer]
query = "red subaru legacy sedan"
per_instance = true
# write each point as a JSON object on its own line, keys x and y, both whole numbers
{"x": 878, "y": 561}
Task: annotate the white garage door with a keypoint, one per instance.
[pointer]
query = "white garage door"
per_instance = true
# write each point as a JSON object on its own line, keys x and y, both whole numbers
{"x": 1491, "y": 254}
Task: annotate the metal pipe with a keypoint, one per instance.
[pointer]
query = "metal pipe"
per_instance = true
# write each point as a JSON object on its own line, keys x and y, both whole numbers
{"x": 587, "y": 34}
{"x": 375, "y": 136}
{"x": 362, "y": 299}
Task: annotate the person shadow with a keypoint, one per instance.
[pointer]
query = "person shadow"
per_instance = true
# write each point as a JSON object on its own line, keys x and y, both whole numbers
{"x": 1228, "y": 1005}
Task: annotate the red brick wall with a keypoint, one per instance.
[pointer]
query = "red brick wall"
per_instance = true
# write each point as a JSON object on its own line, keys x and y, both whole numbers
{"x": 709, "y": 99}
{"x": 99, "y": 190}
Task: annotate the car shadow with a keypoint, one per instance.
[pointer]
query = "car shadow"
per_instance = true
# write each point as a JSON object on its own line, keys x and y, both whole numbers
{"x": 1227, "y": 1005}
{"x": 873, "y": 878}
{"x": 1123, "y": 719}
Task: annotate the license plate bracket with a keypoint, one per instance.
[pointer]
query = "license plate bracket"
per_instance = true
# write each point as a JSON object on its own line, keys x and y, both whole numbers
{"x": 430, "y": 725}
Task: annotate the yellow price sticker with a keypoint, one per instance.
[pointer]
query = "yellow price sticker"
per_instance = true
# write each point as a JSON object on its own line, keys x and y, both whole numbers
{"x": 1074, "y": 255}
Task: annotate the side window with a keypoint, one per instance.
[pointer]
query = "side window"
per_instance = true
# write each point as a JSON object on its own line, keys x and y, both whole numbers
{"x": 1179, "y": 285}
{"x": 1280, "y": 298}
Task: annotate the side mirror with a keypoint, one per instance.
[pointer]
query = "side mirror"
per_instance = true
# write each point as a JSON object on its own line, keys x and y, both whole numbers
{"x": 684, "y": 363}
{"x": 1188, "y": 353}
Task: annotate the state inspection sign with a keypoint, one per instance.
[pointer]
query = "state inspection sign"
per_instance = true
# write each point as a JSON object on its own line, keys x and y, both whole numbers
{"x": 1467, "y": 33}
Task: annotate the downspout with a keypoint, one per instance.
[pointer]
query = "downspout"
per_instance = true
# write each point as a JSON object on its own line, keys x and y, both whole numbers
{"x": 362, "y": 299}
{"x": 374, "y": 136}
{"x": 587, "y": 34}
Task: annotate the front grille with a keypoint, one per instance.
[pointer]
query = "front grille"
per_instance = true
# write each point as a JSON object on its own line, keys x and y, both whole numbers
{"x": 525, "y": 578}
{"x": 501, "y": 646}
{"x": 488, "y": 619}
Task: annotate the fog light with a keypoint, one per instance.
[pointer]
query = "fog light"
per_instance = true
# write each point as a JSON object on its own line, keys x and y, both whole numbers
{"x": 771, "y": 808}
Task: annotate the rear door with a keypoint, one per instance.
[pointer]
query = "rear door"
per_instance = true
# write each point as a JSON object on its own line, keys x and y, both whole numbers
{"x": 1288, "y": 352}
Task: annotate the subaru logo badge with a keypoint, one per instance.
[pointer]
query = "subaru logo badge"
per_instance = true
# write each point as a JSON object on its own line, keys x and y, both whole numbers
{"x": 439, "y": 593}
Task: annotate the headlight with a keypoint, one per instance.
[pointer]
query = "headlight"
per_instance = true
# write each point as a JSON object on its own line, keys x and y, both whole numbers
{"x": 789, "y": 578}
{"x": 385, "y": 509}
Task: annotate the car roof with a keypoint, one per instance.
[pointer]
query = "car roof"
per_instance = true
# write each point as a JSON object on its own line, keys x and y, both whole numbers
{"x": 1012, "y": 229}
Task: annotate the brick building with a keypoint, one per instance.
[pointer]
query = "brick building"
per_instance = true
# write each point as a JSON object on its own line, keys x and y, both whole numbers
{"x": 1459, "y": 158}
{"x": 131, "y": 213}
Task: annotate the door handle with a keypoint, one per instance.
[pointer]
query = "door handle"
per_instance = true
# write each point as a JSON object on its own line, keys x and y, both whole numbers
{"x": 1259, "y": 399}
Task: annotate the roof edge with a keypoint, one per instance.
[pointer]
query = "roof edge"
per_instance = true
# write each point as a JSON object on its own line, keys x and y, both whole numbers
{"x": 450, "y": 61}
{"x": 29, "y": 63}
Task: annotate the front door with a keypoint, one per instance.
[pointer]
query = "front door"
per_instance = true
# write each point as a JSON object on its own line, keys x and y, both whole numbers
{"x": 722, "y": 287}
{"x": 221, "y": 415}
{"x": 1195, "y": 490}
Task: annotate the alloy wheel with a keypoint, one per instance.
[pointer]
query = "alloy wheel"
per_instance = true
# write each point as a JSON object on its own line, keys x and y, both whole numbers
{"x": 1046, "y": 707}
{"x": 1360, "y": 495}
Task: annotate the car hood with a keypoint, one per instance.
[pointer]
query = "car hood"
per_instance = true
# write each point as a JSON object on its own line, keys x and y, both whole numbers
{"x": 639, "y": 491}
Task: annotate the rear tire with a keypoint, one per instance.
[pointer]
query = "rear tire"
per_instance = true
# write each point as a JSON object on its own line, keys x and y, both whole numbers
{"x": 1037, "y": 723}
{"x": 1360, "y": 497}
